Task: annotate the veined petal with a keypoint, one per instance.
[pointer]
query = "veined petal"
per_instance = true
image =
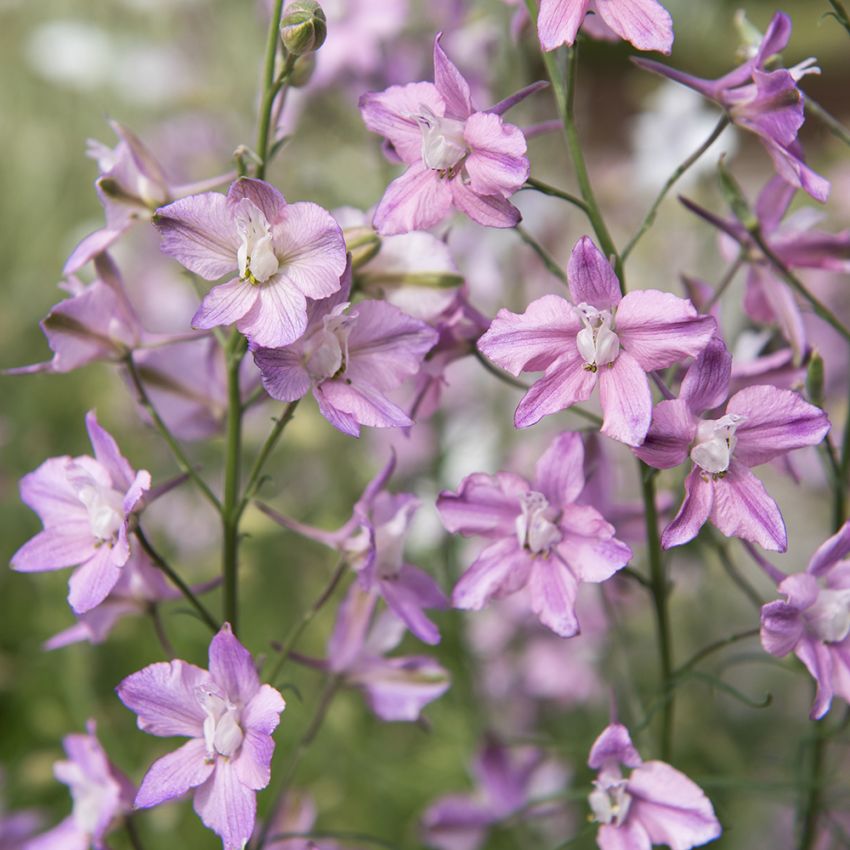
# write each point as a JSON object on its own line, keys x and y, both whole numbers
{"x": 263, "y": 195}
{"x": 450, "y": 84}
{"x": 278, "y": 316}
{"x": 254, "y": 759}
{"x": 283, "y": 373}
{"x": 695, "y": 510}
{"x": 225, "y": 304}
{"x": 829, "y": 553}
{"x": 107, "y": 453}
{"x": 589, "y": 546}
{"x": 486, "y": 210}
{"x": 553, "y": 590}
{"x": 232, "y": 667}
{"x": 363, "y": 403}
{"x": 626, "y": 400}
{"x": 91, "y": 582}
{"x": 55, "y": 548}
{"x": 485, "y": 504}
{"x": 592, "y": 279}
{"x": 781, "y": 627}
{"x": 262, "y": 712}
{"x": 819, "y": 662}
{"x": 790, "y": 166}
{"x": 497, "y": 164}
{"x": 559, "y": 474}
{"x": 175, "y": 774}
{"x": 501, "y": 569}
{"x": 226, "y": 806}
{"x": 559, "y": 21}
{"x": 644, "y": 23}
{"x": 630, "y": 835}
{"x": 417, "y": 200}
{"x": 407, "y": 594}
{"x": 49, "y": 493}
{"x": 706, "y": 384}
{"x": 669, "y": 436}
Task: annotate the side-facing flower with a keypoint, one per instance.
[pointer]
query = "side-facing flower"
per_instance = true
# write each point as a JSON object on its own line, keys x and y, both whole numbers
{"x": 653, "y": 804}
{"x": 350, "y": 356}
{"x": 539, "y": 536}
{"x": 229, "y": 717}
{"x": 282, "y": 253}
{"x": 767, "y": 103}
{"x": 602, "y": 336}
{"x": 85, "y": 504}
{"x": 457, "y": 157}
{"x": 759, "y": 423}
{"x": 814, "y": 620}
{"x": 99, "y": 790}
{"x": 645, "y": 23}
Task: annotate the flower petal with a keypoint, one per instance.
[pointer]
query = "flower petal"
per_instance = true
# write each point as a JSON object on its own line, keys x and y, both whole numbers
{"x": 559, "y": 474}
{"x": 175, "y": 774}
{"x": 407, "y": 594}
{"x": 836, "y": 549}
{"x": 501, "y": 569}
{"x": 417, "y": 200}
{"x": 484, "y": 504}
{"x": 91, "y": 582}
{"x": 670, "y": 435}
{"x": 497, "y": 164}
{"x": 589, "y": 546}
{"x": 450, "y": 84}
{"x": 397, "y": 689}
{"x": 486, "y": 210}
{"x": 226, "y": 806}
{"x": 225, "y": 304}
{"x": 553, "y": 590}
{"x": 695, "y": 510}
{"x": 283, "y": 373}
{"x": 358, "y": 403}
{"x": 55, "y": 548}
{"x": 706, "y": 384}
{"x": 626, "y": 400}
{"x": 254, "y": 760}
{"x": 644, "y": 23}
{"x": 559, "y": 21}
{"x": 565, "y": 383}
{"x": 278, "y": 316}
{"x": 232, "y": 667}
{"x": 107, "y": 453}
{"x": 262, "y": 195}
{"x": 819, "y": 662}
{"x": 592, "y": 279}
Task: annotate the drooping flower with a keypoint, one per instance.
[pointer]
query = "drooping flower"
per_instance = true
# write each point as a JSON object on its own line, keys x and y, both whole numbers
{"x": 282, "y": 253}
{"x": 228, "y": 716}
{"x": 767, "y": 103}
{"x": 507, "y": 781}
{"x": 101, "y": 793}
{"x": 372, "y": 542}
{"x": 602, "y": 337}
{"x": 540, "y": 537}
{"x": 457, "y": 157}
{"x": 653, "y": 804}
{"x": 350, "y": 356}
{"x": 645, "y": 23}
{"x": 758, "y": 424}
{"x": 813, "y": 621}
{"x": 85, "y": 504}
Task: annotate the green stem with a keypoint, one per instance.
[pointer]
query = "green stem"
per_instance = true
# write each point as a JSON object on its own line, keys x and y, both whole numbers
{"x": 829, "y": 121}
{"x": 270, "y": 89}
{"x": 658, "y": 580}
{"x": 810, "y": 811}
{"x": 553, "y": 192}
{"x": 133, "y": 833}
{"x": 175, "y": 579}
{"x": 183, "y": 461}
{"x": 714, "y": 647}
{"x": 541, "y": 252}
{"x": 727, "y": 278}
{"x": 649, "y": 220}
{"x": 729, "y": 568}
{"x": 159, "y": 628}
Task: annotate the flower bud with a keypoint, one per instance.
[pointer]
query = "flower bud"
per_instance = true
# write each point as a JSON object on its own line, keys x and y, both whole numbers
{"x": 304, "y": 27}
{"x": 302, "y": 71}
{"x": 815, "y": 379}
{"x": 362, "y": 243}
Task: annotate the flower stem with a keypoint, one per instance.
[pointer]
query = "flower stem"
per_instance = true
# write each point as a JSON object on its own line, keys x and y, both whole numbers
{"x": 269, "y": 89}
{"x": 715, "y": 647}
{"x": 553, "y": 192}
{"x": 649, "y": 220}
{"x": 809, "y": 813}
{"x": 133, "y": 833}
{"x": 545, "y": 256}
{"x": 658, "y": 580}
{"x": 159, "y": 628}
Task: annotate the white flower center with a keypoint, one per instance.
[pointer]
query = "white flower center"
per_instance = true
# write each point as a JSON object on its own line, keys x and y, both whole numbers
{"x": 609, "y": 801}
{"x": 534, "y": 527}
{"x": 256, "y": 256}
{"x": 596, "y": 341}
{"x": 104, "y": 505}
{"x": 222, "y": 732}
{"x": 715, "y": 443}
{"x": 829, "y": 618}
{"x": 443, "y": 144}
{"x": 326, "y": 351}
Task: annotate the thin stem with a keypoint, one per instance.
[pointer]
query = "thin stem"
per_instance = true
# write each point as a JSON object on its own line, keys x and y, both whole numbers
{"x": 547, "y": 259}
{"x": 649, "y": 220}
{"x": 133, "y": 833}
{"x": 254, "y": 478}
{"x": 844, "y": 469}
{"x": 727, "y": 279}
{"x": 811, "y": 803}
{"x": 175, "y": 579}
{"x": 828, "y": 120}
{"x": 833, "y": 469}
{"x": 553, "y": 192}
{"x": 269, "y": 89}
{"x": 658, "y": 579}
{"x": 176, "y": 449}
{"x": 740, "y": 582}
{"x": 306, "y": 618}
{"x": 714, "y": 647}
{"x": 159, "y": 628}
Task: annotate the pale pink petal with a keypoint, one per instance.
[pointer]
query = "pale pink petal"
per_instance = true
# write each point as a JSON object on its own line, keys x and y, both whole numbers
{"x": 262, "y": 712}
{"x": 559, "y": 21}
{"x": 65, "y": 545}
{"x": 613, "y": 746}
{"x": 232, "y": 667}
{"x": 501, "y": 569}
{"x": 630, "y": 835}
{"x": 485, "y": 504}
{"x": 589, "y": 546}
{"x": 225, "y": 304}
{"x": 497, "y": 164}
{"x": 819, "y": 662}
{"x": 782, "y": 627}
{"x": 94, "y": 244}
{"x": 49, "y": 493}
{"x": 175, "y": 774}
{"x": 829, "y": 553}
{"x": 565, "y": 383}
{"x": 254, "y": 759}
{"x": 450, "y": 84}
{"x": 263, "y": 195}
{"x": 592, "y": 279}
{"x": 226, "y": 806}
{"x": 397, "y": 689}
{"x": 283, "y": 373}
{"x": 64, "y": 836}
{"x": 559, "y": 474}
{"x": 670, "y": 435}
{"x": 278, "y": 316}
{"x": 486, "y": 210}
{"x": 553, "y": 590}
{"x": 352, "y": 624}
{"x": 742, "y": 508}
{"x": 626, "y": 400}
{"x": 107, "y": 453}
{"x": 644, "y": 23}
{"x": 706, "y": 384}
{"x": 365, "y": 405}
{"x": 407, "y": 594}
{"x": 692, "y": 516}
{"x": 91, "y": 582}
{"x": 417, "y": 200}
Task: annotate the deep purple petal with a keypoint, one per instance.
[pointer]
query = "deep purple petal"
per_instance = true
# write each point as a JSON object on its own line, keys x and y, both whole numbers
{"x": 670, "y": 435}
{"x": 613, "y": 746}
{"x": 175, "y": 774}
{"x": 591, "y": 276}
{"x": 781, "y": 628}
{"x": 695, "y": 510}
{"x": 626, "y": 400}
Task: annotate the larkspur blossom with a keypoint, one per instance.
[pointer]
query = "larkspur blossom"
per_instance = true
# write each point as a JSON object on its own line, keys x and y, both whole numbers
{"x": 229, "y": 717}
{"x": 758, "y": 424}
{"x": 645, "y": 23}
{"x": 457, "y": 157}
{"x": 602, "y": 337}
{"x": 101, "y": 794}
{"x": 351, "y": 357}
{"x": 282, "y": 253}
{"x": 86, "y": 504}
{"x": 813, "y": 621}
{"x": 654, "y": 804}
{"x": 540, "y": 537}
{"x": 767, "y": 103}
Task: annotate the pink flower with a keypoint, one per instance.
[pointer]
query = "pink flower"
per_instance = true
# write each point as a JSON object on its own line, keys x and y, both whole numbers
{"x": 229, "y": 717}
{"x": 758, "y": 424}
{"x": 283, "y": 255}
{"x": 85, "y": 504}
{"x": 645, "y": 23}
{"x": 814, "y": 620}
{"x": 539, "y": 536}
{"x": 457, "y": 157}
{"x": 654, "y": 804}
{"x": 602, "y": 337}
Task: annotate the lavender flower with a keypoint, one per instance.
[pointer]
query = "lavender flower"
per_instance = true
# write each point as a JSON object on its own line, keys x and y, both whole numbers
{"x": 540, "y": 536}
{"x": 85, "y": 504}
{"x": 229, "y": 717}
{"x": 601, "y": 337}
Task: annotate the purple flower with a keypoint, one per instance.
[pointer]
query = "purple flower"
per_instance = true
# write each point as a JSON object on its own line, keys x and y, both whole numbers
{"x": 767, "y": 103}
{"x": 457, "y": 157}
{"x": 540, "y": 536}
{"x": 507, "y": 780}
{"x": 759, "y": 423}
{"x": 229, "y": 717}
{"x": 350, "y": 357}
{"x": 654, "y": 804}
{"x": 372, "y": 541}
{"x": 601, "y": 337}
{"x": 85, "y": 505}
{"x": 100, "y": 792}
{"x": 814, "y": 620}
{"x": 283, "y": 255}
{"x": 396, "y": 689}
{"x": 645, "y": 23}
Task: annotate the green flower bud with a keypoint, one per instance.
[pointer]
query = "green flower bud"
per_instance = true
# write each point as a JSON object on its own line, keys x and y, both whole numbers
{"x": 302, "y": 71}
{"x": 362, "y": 243}
{"x": 304, "y": 27}
{"x": 815, "y": 379}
